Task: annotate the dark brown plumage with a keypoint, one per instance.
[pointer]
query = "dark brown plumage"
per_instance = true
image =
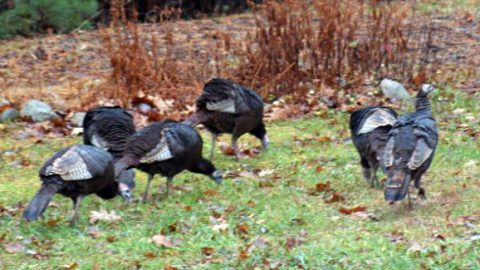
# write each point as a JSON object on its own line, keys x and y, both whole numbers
{"x": 410, "y": 149}
{"x": 370, "y": 127}
{"x": 166, "y": 148}
{"x": 109, "y": 128}
{"x": 226, "y": 107}
{"x": 74, "y": 172}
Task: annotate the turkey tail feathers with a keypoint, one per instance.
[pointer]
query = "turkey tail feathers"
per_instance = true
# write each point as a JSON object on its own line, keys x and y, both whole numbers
{"x": 39, "y": 203}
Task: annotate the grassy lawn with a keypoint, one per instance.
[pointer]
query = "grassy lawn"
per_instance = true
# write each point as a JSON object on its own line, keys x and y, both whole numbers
{"x": 267, "y": 214}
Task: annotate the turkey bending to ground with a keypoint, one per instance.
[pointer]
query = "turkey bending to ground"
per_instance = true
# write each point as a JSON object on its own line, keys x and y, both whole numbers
{"x": 166, "y": 148}
{"x": 370, "y": 127}
{"x": 410, "y": 149}
{"x": 75, "y": 172}
{"x": 226, "y": 107}
{"x": 109, "y": 128}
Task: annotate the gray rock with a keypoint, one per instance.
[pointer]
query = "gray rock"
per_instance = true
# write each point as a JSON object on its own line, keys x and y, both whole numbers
{"x": 144, "y": 108}
{"x": 77, "y": 118}
{"x": 9, "y": 115}
{"x": 4, "y": 102}
{"x": 394, "y": 90}
{"x": 37, "y": 110}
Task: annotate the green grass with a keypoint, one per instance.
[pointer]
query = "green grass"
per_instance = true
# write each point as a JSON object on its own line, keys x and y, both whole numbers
{"x": 449, "y": 7}
{"x": 292, "y": 227}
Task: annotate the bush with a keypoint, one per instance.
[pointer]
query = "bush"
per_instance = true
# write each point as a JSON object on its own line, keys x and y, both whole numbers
{"x": 62, "y": 16}
{"x": 334, "y": 43}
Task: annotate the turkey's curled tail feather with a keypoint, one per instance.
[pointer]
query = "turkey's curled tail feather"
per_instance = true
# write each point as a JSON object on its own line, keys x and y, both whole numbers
{"x": 196, "y": 119}
{"x": 39, "y": 203}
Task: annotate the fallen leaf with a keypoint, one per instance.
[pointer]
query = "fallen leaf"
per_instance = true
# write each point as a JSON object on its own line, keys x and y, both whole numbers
{"x": 172, "y": 227}
{"x": 149, "y": 254}
{"x": 335, "y": 197}
{"x": 39, "y": 256}
{"x": 263, "y": 173}
{"x": 169, "y": 267}
{"x": 293, "y": 242}
{"x": 438, "y": 237}
{"x": 70, "y": 266}
{"x": 319, "y": 169}
{"x": 211, "y": 192}
{"x": 222, "y": 226}
{"x": 298, "y": 221}
{"x": 111, "y": 239}
{"x": 243, "y": 255}
{"x": 324, "y": 139}
{"x": 52, "y": 222}
{"x": 226, "y": 149}
{"x": 283, "y": 111}
{"x": 323, "y": 187}
{"x": 395, "y": 237}
{"x": 266, "y": 184}
{"x": 208, "y": 251}
{"x": 366, "y": 215}
{"x": 162, "y": 240}
{"x": 93, "y": 232}
{"x": 242, "y": 229}
{"x": 347, "y": 211}
{"x": 415, "y": 247}
{"x": 13, "y": 247}
{"x": 103, "y": 215}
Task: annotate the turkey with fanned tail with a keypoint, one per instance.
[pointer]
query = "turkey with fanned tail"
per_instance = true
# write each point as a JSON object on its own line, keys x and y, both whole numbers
{"x": 226, "y": 107}
{"x": 74, "y": 172}
{"x": 410, "y": 149}
{"x": 109, "y": 128}
{"x": 370, "y": 127}
{"x": 166, "y": 148}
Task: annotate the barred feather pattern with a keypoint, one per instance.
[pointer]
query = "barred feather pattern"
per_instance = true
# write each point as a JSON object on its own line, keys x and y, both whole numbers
{"x": 225, "y": 96}
{"x": 108, "y": 128}
{"x": 78, "y": 162}
{"x": 150, "y": 143}
{"x": 160, "y": 152}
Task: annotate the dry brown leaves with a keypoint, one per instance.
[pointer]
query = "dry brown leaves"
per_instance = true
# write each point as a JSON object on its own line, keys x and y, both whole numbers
{"x": 103, "y": 215}
{"x": 162, "y": 240}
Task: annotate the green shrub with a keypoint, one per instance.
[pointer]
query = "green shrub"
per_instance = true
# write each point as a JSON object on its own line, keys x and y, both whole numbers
{"x": 36, "y": 16}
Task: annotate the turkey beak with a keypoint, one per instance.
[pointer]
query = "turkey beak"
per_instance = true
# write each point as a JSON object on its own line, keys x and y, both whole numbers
{"x": 125, "y": 192}
{"x": 217, "y": 177}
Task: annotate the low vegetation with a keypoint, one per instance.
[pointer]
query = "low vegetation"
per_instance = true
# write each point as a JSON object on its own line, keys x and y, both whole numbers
{"x": 302, "y": 204}
{"x": 28, "y": 18}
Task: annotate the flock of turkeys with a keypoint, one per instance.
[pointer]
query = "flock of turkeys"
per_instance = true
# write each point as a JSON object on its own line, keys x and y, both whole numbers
{"x": 403, "y": 147}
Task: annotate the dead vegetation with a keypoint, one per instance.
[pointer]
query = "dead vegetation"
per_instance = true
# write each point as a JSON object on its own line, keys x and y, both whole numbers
{"x": 322, "y": 52}
{"x": 344, "y": 44}
{"x": 297, "y": 47}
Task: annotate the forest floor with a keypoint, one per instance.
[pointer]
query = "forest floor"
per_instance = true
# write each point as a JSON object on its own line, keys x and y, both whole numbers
{"x": 63, "y": 69}
{"x": 302, "y": 204}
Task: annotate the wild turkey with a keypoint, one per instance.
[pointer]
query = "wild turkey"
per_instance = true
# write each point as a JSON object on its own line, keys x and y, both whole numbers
{"x": 226, "y": 107}
{"x": 109, "y": 128}
{"x": 410, "y": 149}
{"x": 369, "y": 128}
{"x": 75, "y": 172}
{"x": 166, "y": 148}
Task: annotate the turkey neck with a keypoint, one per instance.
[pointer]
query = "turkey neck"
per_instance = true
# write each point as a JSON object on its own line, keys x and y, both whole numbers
{"x": 422, "y": 104}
